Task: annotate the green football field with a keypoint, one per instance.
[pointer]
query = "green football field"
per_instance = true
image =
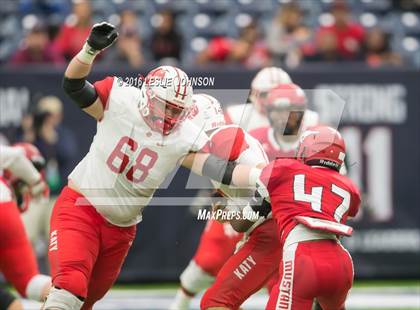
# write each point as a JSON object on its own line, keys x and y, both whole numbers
{"x": 366, "y": 295}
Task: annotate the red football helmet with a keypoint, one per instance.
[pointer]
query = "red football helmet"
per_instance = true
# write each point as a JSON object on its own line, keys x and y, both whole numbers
{"x": 285, "y": 107}
{"x": 286, "y": 96}
{"x": 322, "y": 146}
{"x": 166, "y": 98}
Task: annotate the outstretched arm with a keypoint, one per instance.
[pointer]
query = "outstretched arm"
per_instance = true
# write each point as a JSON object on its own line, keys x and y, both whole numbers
{"x": 75, "y": 85}
{"x": 221, "y": 170}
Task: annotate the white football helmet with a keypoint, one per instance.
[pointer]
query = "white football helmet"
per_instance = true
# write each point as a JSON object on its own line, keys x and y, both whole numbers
{"x": 206, "y": 113}
{"x": 166, "y": 98}
{"x": 266, "y": 79}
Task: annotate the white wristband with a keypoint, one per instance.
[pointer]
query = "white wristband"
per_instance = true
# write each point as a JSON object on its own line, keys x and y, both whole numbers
{"x": 87, "y": 54}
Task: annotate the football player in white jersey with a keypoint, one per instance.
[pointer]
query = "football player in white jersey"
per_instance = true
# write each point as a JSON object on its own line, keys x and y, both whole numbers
{"x": 218, "y": 240}
{"x": 252, "y": 115}
{"x": 142, "y": 134}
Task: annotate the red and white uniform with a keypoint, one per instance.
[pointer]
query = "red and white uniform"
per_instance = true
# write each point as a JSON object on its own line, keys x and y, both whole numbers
{"x": 250, "y": 115}
{"x": 218, "y": 241}
{"x": 126, "y": 163}
{"x": 14, "y": 244}
{"x": 255, "y": 264}
{"x": 261, "y": 254}
{"x": 17, "y": 259}
{"x": 282, "y": 149}
{"x": 299, "y": 195}
{"x": 271, "y": 146}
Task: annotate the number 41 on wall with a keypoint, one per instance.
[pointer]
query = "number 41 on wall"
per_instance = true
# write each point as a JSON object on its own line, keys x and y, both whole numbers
{"x": 370, "y": 159}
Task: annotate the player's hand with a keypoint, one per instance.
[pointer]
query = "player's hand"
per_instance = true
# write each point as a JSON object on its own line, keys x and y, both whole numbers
{"x": 102, "y": 36}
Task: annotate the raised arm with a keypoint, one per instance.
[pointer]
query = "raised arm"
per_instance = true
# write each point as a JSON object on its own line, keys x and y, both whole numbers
{"x": 75, "y": 85}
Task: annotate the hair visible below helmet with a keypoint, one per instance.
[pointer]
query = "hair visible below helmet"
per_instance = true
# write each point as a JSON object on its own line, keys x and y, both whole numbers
{"x": 206, "y": 112}
{"x": 264, "y": 80}
{"x": 166, "y": 98}
{"x": 322, "y": 146}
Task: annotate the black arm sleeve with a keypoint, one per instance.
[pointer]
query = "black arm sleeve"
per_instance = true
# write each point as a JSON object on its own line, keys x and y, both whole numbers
{"x": 260, "y": 205}
{"x": 219, "y": 169}
{"x": 80, "y": 91}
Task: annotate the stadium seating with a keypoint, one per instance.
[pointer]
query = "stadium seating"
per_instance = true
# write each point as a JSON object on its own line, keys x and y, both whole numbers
{"x": 200, "y": 20}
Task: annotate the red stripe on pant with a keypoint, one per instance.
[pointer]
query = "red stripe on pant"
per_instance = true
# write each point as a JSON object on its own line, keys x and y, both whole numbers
{"x": 320, "y": 269}
{"x": 86, "y": 252}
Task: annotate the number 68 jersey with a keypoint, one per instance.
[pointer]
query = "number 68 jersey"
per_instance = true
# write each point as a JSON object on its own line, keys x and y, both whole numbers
{"x": 127, "y": 161}
{"x": 311, "y": 195}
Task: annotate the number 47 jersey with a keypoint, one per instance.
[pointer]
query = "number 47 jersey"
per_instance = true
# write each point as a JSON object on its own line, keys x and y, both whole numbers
{"x": 315, "y": 196}
{"x": 127, "y": 161}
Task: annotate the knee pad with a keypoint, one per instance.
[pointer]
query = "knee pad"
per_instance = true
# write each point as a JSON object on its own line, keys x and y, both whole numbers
{"x": 194, "y": 279}
{"x": 36, "y": 286}
{"x": 63, "y": 300}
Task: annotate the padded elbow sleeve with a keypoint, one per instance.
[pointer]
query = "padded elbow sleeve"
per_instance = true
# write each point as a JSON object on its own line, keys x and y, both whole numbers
{"x": 219, "y": 169}
{"x": 80, "y": 91}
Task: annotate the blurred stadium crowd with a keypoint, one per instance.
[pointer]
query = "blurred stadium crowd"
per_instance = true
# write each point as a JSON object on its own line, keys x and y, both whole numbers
{"x": 251, "y": 33}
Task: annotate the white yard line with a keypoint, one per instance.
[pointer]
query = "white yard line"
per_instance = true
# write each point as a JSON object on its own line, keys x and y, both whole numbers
{"x": 360, "y": 298}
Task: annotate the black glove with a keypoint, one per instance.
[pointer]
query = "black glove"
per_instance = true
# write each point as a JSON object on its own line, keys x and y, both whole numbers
{"x": 102, "y": 36}
{"x": 260, "y": 205}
